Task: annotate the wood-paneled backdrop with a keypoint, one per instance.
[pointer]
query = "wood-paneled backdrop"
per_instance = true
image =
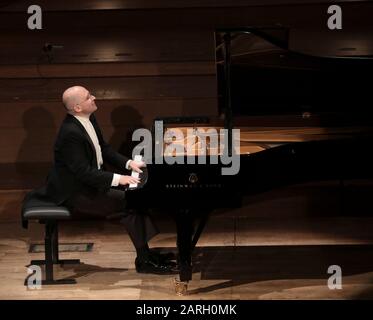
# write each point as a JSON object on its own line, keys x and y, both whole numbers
{"x": 141, "y": 59}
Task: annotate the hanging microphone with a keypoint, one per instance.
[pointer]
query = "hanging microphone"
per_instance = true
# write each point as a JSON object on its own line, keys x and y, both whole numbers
{"x": 49, "y": 47}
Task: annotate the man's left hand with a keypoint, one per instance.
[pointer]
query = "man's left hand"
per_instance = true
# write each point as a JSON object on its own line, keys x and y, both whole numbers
{"x": 136, "y": 165}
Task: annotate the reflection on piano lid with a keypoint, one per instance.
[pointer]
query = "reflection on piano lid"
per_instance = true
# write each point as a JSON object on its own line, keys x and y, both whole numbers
{"x": 197, "y": 140}
{"x": 281, "y": 71}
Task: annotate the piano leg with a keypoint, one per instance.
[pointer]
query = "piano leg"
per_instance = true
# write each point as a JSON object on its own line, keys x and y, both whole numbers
{"x": 184, "y": 228}
{"x": 200, "y": 227}
{"x": 186, "y": 242}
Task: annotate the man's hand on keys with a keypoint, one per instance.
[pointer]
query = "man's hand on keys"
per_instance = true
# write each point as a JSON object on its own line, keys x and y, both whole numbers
{"x": 136, "y": 165}
{"x": 128, "y": 180}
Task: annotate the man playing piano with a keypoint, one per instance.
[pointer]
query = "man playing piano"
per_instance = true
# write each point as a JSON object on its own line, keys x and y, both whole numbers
{"x": 78, "y": 179}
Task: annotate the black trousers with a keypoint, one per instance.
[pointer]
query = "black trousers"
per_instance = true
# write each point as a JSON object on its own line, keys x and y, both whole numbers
{"x": 139, "y": 225}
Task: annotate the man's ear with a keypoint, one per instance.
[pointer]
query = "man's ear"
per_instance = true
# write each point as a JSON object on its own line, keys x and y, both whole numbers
{"x": 77, "y": 108}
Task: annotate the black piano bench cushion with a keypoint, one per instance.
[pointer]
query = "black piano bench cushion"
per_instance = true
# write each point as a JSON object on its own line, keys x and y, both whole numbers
{"x": 45, "y": 213}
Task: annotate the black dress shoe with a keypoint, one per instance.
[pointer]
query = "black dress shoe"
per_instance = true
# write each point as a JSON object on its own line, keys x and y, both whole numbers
{"x": 163, "y": 257}
{"x": 151, "y": 266}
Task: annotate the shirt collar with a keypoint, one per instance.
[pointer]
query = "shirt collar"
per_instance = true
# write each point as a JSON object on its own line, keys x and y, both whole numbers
{"x": 82, "y": 119}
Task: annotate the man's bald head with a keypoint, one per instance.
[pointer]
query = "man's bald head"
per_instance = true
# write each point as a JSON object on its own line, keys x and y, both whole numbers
{"x": 72, "y": 96}
{"x": 79, "y": 101}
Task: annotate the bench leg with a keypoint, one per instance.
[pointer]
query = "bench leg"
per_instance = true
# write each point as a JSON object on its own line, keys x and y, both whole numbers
{"x": 52, "y": 255}
{"x": 48, "y": 242}
{"x": 56, "y": 259}
{"x": 55, "y": 243}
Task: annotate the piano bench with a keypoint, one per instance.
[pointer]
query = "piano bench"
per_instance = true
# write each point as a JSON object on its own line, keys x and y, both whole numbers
{"x": 49, "y": 216}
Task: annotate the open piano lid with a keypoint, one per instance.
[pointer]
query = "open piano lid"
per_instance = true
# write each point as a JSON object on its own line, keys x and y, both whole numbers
{"x": 278, "y": 71}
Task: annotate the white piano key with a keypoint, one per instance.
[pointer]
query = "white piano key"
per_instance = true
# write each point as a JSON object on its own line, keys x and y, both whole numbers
{"x": 134, "y": 173}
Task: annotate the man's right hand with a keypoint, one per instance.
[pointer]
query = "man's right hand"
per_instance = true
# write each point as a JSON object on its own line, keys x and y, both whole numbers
{"x": 128, "y": 180}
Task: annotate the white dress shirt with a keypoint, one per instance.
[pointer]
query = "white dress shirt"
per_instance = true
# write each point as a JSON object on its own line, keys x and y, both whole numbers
{"x": 88, "y": 126}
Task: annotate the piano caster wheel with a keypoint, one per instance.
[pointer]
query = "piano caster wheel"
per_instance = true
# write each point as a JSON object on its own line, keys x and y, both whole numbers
{"x": 181, "y": 287}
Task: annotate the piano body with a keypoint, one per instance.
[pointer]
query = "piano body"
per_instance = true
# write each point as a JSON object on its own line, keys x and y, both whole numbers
{"x": 285, "y": 138}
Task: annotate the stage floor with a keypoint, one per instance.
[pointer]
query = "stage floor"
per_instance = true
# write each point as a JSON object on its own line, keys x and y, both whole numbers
{"x": 238, "y": 257}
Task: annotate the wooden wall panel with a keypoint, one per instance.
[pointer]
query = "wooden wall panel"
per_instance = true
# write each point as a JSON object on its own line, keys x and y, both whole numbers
{"x": 23, "y": 145}
{"x": 110, "y": 88}
{"x": 137, "y": 74}
{"x": 28, "y": 130}
{"x": 109, "y": 44}
{"x": 56, "y": 5}
{"x": 37, "y": 114}
{"x": 109, "y": 69}
{"x": 299, "y": 14}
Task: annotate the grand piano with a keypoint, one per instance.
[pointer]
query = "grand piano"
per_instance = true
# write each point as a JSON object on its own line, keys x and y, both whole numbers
{"x": 303, "y": 116}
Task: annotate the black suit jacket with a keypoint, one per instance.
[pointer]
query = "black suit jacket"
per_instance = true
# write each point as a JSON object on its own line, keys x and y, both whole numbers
{"x": 75, "y": 166}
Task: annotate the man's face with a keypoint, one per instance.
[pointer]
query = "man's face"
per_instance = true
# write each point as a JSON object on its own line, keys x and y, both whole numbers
{"x": 87, "y": 103}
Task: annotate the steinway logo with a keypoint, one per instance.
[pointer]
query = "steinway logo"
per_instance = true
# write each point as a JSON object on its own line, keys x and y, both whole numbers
{"x": 193, "y": 178}
{"x": 194, "y": 186}
{"x": 177, "y": 146}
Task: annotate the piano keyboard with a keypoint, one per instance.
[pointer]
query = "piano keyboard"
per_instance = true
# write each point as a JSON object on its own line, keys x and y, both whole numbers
{"x": 134, "y": 173}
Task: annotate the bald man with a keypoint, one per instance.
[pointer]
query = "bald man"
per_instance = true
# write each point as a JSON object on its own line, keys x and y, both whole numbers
{"x": 79, "y": 181}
